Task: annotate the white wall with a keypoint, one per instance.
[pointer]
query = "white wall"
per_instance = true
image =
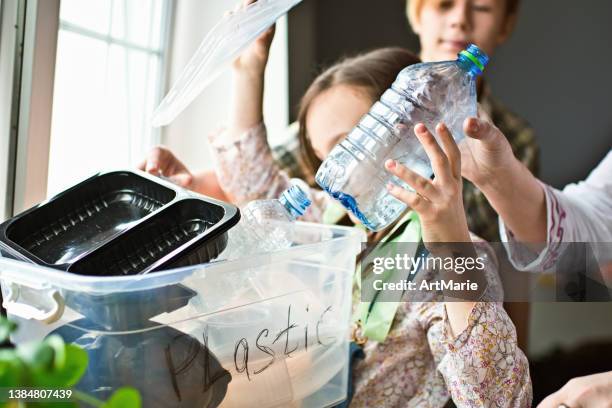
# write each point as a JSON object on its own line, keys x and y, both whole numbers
{"x": 187, "y": 134}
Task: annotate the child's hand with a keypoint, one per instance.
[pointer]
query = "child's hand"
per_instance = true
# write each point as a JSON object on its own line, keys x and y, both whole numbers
{"x": 485, "y": 152}
{"x": 253, "y": 60}
{"x": 586, "y": 392}
{"x": 246, "y": 106}
{"x": 439, "y": 203}
{"x": 162, "y": 162}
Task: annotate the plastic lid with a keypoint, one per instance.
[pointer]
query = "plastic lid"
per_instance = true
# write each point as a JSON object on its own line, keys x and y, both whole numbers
{"x": 226, "y": 41}
{"x": 295, "y": 200}
{"x": 475, "y": 58}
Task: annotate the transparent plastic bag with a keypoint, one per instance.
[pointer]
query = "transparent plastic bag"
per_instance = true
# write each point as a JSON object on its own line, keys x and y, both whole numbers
{"x": 227, "y": 39}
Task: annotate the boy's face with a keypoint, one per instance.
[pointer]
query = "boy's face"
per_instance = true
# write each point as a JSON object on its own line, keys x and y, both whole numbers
{"x": 445, "y": 27}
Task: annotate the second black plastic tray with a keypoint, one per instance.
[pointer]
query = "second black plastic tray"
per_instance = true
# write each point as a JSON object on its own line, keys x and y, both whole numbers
{"x": 175, "y": 236}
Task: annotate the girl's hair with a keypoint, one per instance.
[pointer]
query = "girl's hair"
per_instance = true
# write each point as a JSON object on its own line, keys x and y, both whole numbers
{"x": 372, "y": 72}
{"x": 413, "y": 9}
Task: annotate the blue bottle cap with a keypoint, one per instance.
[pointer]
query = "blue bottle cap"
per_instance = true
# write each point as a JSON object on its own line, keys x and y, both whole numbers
{"x": 474, "y": 58}
{"x": 295, "y": 200}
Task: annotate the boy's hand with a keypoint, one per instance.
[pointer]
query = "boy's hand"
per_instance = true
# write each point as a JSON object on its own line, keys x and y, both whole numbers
{"x": 253, "y": 60}
{"x": 162, "y": 162}
{"x": 439, "y": 203}
{"x": 486, "y": 154}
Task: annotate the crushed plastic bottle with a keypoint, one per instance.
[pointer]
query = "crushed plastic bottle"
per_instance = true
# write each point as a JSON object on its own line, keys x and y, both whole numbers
{"x": 266, "y": 225}
{"x": 430, "y": 93}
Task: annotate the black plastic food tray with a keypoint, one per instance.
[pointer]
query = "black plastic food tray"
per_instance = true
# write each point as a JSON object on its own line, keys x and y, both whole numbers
{"x": 120, "y": 223}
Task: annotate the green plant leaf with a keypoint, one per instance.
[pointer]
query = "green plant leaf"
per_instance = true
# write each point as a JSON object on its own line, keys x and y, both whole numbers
{"x": 36, "y": 355}
{"x": 66, "y": 376}
{"x": 12, "y": 370}
{"x": 76, "y": 365}
{"x": 124, "y": 397}
{"x": 52, "y": 363}
{"x": 59, "y": 351}
{"x": 6, "y": 328}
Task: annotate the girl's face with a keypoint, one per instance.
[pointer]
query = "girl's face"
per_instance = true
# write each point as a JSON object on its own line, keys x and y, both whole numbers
{"x": 446, "y": 27}
{"x": 333, "y": 114}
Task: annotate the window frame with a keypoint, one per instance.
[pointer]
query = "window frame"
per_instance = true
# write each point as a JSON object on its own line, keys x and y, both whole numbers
{"x": 163, "y": 52}
{"x": 29, "y": 31}
{"x": 12, "y": 28}
{"x": 35, "y": 102}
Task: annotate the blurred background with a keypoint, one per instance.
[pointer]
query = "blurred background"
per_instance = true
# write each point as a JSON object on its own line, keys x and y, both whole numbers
{"x": 79, "y": 80}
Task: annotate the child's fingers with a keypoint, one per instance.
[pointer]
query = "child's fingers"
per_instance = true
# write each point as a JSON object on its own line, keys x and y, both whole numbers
{"x": 439, "y": 161}
{"x": 420, "y": 184}
{"x": 152, "y": 161}
{"x": 413, "y": 200}
{"x": 450, "y": 149}
{"x": 267, "y": 36}
{"x": 244, "y": 4}
{"x": 239, "y": 6}
{"x": 158, "y": 160}
{"x": 401, "y": 129}
{"x": 142, "y": 165}
{"x": 482, "y": 130}
{"x": 182, "y": 179}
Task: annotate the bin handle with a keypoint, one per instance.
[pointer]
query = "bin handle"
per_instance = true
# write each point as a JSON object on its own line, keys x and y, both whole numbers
{"x": 30, "y": 312}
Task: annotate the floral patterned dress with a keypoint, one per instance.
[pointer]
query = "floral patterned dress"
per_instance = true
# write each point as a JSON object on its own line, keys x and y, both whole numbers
{"x": 419, "y": 364}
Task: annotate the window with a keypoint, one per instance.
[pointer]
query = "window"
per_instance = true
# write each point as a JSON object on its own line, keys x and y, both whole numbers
{"x": 108, "y": 80}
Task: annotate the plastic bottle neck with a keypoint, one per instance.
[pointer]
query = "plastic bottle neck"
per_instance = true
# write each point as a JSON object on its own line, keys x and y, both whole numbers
{"x": 295, "y": 201}
{"x": 472, "y": 60}
{"x": 468, "y": 68}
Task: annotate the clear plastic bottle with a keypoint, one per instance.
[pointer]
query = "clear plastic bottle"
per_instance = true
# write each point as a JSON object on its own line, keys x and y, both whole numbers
{"x": 354, "y": 172}
{"x": 266, "y": 225}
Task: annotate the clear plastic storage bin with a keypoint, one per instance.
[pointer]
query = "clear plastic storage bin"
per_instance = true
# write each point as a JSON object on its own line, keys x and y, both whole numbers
{"x": 265, "y": 331}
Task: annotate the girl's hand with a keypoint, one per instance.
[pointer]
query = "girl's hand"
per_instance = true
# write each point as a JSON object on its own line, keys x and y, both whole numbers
{"x": 162, "y": 162}
{"x": 253, "y": 60}
{"x": 439, "y": 203}
{"x": 246, "y": 106}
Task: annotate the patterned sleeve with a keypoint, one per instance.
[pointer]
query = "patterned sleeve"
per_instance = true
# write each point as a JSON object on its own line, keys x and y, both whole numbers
{"x": 483, "y": 365}
{"x": 581, "y": 213}
{"x": 526, "y": 258}
{"x": 247, "y": 171}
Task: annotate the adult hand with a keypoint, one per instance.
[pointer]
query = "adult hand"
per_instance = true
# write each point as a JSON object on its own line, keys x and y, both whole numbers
{"x": 162, "y": 162}
{"x": 592, "y": 391}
